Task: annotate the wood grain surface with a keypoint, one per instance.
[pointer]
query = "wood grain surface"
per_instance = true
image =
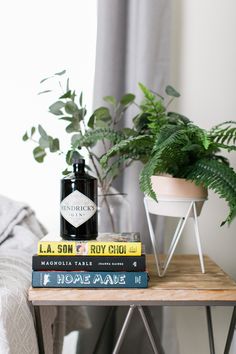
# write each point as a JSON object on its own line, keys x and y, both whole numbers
{"x": 183, "y": 284}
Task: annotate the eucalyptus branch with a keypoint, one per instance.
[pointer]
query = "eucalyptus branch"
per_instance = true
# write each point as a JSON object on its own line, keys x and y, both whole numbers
{"x": 169, "y": 103}
{"x": 34, "y": 141}
{"x": 91, "y": 155}
{"x": 104, "y": 146}
{"x": 103, "y": 191}
{"x": 61, "y": 87}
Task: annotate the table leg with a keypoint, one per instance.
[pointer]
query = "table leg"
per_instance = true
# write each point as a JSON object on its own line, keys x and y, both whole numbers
{"x": 120, "y": 339}
{"x": 210, "y": 330}
{"x": 39, "y": 330}
{"x": 150, "y": 334}
{"x": 123, "y": 330}
{"x": 231, "y": 332}
{"x": 107, "y": 319}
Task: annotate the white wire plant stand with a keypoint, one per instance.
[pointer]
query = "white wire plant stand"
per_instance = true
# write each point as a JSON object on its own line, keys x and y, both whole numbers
{"x": 174, "y": 207}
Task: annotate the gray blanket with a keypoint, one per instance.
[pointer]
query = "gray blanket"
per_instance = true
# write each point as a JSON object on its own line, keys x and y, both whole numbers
{"x": 19, "y": 234}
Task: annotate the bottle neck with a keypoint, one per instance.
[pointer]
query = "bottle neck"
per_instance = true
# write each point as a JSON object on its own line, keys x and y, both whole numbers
{"x": 78, "y": 167}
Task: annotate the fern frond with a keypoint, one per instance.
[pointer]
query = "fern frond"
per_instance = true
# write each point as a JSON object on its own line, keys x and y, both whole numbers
{"x": 91, "y": 137}
{"x": 219, "y": 177}
{"x": 224, "y": 135}
{"x": 154, "y": 164}
{"x": 199, "y": 135}
{"x": 168, "y": 135}
{"x": 115, "y": 168}
{"x": 216, "y": 127}
{"x": 166, "y": 151}
{"x": 128, "y": 147}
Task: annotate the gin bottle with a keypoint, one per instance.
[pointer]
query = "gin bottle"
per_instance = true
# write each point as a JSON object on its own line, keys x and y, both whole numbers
{"x": 79, "y": 204}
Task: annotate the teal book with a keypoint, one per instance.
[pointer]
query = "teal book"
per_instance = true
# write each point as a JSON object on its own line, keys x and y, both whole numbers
{"x": 62, "y": 279}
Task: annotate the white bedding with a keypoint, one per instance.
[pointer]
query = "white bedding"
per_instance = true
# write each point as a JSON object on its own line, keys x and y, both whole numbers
{"x": 19, "y": 234}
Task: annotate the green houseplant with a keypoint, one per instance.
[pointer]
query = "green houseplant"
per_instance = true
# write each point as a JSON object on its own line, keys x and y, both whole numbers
{"x": 85, "y": 133}
{"x": 169, "y": 143}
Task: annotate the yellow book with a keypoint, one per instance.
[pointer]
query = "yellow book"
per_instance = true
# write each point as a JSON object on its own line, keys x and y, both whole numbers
{"x": 48, "y": 246}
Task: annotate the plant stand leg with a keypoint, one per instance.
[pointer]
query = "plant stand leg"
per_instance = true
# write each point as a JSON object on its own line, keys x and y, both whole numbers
{"x": 171, "y": 251}
{"x": 173, "y": 241}
{"x": 198, "y": 238}
{"x": 153, "y": 239}
{"x": 190, "y": 211}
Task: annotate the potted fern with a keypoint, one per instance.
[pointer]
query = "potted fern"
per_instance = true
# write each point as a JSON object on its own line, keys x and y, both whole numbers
{"x": 169, "y": 144}
{"x": 85, "y": 133}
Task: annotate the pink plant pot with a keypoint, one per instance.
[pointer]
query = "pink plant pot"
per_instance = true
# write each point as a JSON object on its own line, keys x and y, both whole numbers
{"x": 174, "y": 196}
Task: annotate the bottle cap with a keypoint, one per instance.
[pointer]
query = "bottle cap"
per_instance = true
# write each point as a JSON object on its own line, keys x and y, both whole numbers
{"x": 78, "y": 164}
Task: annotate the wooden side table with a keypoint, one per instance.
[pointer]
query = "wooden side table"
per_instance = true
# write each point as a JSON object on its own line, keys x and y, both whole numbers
{"x": 184, "y": 284}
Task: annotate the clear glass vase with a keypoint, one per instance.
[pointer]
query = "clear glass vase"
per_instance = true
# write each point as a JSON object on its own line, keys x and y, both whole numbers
{"x": 114, "y": 212}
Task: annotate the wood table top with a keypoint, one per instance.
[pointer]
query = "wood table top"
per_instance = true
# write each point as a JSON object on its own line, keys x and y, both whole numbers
{"x": 183, "y": 284}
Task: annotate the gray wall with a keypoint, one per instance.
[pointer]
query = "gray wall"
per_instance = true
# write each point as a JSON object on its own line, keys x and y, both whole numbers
{"x": 204, "y": 72}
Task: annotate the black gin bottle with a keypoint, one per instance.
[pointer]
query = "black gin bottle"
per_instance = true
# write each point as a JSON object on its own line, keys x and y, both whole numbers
{"x": 79, "y": 204}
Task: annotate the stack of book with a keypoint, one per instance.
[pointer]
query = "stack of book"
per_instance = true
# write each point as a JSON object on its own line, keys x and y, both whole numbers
{"x": 114, "y": 260}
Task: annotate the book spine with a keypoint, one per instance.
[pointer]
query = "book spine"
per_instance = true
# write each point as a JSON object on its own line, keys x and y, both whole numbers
{"x": 89, "y": 248}
{"x": 89, "y": 263}
{"x": 57, "y": 279}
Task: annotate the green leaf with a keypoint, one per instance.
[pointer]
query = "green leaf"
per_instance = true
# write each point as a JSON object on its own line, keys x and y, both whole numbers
{"x": 74, "y": 139}
{"x": 71, "y": 156}
{"x": 170, "y": 91}
{"x": 73, "y": 95}
{"x": 101, "y": 113}
{"x": 80, "y": 114}
{"x": 102, "y": 117}
{"x": 67, "y": 85}
{"x": 74, "y": 126}
{"x": 60, "y": 73}
{"x": 42, "y": 132}
{"x": 45, "y": 79}
{"x": 25, "y": 137}
{"x": 76, "y": 155}
{"x": 129, "y": 132}
{"x": 66, "y": 95}
{"x": 81, "y": 99}
{"x": 54, "y": 145}
{"x": 32, "y": 131}
{"x": 141, "y": 121}
{"x": 46, "y": 91}
{"x": 39, "y": 154}
{"x": 55, "y": 108}
{"x": 176, "y": 116}
{"x": 147, "y": 93}
{"x": 127, "y": 99}
{"x": 66, "y": 172}
{"x": 71, "y": 107}
{"x": 102, "y": 123}
{"x": 44, "y": 142}
{"x": 110, "y": 99}
{"x": 70, "y": 128}
{"x": 91, "y": 121}
{"x": 69, "y": 119}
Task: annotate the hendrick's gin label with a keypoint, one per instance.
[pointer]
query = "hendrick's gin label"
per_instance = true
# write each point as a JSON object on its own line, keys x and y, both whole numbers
{"x": 79, "y": 204}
